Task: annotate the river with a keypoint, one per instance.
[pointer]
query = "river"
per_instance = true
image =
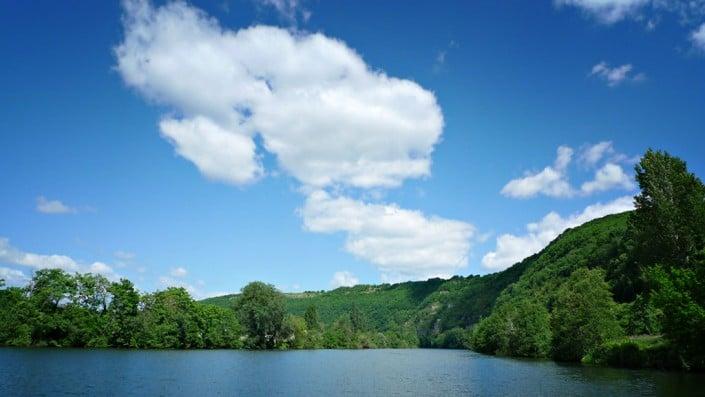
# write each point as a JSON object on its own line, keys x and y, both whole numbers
{"x": 406, "y": 372}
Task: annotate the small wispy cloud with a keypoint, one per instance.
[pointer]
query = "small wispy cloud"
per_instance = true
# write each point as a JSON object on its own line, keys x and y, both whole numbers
{"x": 46, "y": 206}
{"x": 698, "y": 37}
{"x": 179, "y": 272}
{"x": 617, "y": 75}
{"x": 606, "y": 11}
{"x": 441, "y": 56}
{"x": 124, "y": 255}
{"x": 343, "y": 279}
{"x": 292, "y": 11}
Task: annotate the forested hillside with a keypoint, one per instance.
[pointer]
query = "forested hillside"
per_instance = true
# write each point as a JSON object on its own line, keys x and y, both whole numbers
{"x": 436, "y": 306}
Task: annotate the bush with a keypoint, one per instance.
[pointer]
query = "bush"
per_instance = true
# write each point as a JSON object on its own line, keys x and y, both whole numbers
{"x": 635, "y": 352}
{"x": 584, "y": 316}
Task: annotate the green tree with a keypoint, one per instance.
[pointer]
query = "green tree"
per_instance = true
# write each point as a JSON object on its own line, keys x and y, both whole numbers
{"x": 17, "y": 317}
{"x": 50, "y": 291}
{"x": 260, "y": 308}
{"x": 313, "y": 323}
{"x": 92, "y": 292}
{"x": 680, "y": 294}
{"x": 122, "y": 314}
{"x": 295, "y": 327}
{"x": 170, "y": 320}
{"x": 358, "y": 320}
{"x": 518, "y": 328}
{"x": 340, "y": 334}
{"x": 221, "y": 328}
{"x": 668, "y": 226}
{"x": 584, "y": 315}
{"x": 668, "y": 233}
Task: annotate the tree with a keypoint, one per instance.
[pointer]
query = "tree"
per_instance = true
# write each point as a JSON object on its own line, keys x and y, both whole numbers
{"x": 584, "y": 315}
{"x": 668, "y": 230}
{"x": 518, "y": 328}
{"x": 92, "y": 292}
{"x": 170, "y": 320}
{"x": 298, "y": 334}
{"x": 51, "y": 287}
{"x": 17, "y": 317}
{"x": 50, "y": 290}
{"x": 313, "y": 323}
{"x": 680, "y": 294}
{"x": 358, "y": 321}
{"x": 221, "y": 328}
{"x": 260, "y": 308}
{"x": 668, "y": 226}
{"x": 122, "y": 314}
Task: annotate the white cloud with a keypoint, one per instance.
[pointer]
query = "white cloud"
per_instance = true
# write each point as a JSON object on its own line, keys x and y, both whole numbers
{"x": 401, "y": 243}
{"x": 511, "y": 249}
{"x": 607, "y": 11}
{"x": 590, "y": 155}
{"x": 46, "y": 206}
{"x": 551, "y": 181}
{"x": 698, "y": 37}
{"x": 343, "y": 279}
{"x": 219, "y": 154}
{"x": 648, "y": 12}
{"x": 608, "y": 177}
{"x": 12, "y": 276}
{"x": 15, "y": 256}
{"x": 331, "y": 121}
{"x": 327, "y": 117}
{"x": 617, "y": 75}
{"x": 179, "y": 272}
{"x": 289, "y": 10}
{"x": 103, "y": 269}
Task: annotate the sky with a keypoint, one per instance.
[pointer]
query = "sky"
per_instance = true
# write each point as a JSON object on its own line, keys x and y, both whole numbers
{"x": 318, "y": 144}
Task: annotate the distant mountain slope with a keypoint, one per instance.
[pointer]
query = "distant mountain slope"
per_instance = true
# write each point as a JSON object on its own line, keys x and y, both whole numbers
{"x": 381, "y": 304}
{"x": 597, "y": 243}
{"x": 437, "y": 305}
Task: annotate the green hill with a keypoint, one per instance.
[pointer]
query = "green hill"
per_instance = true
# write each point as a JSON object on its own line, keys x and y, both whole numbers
{"x": 437, "y": 305}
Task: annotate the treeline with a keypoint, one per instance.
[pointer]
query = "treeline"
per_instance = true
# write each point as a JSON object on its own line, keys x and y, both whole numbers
{"x": 86, "y": 310}
{"x": 262, "y": 313}
{"x": 619, "y": 293}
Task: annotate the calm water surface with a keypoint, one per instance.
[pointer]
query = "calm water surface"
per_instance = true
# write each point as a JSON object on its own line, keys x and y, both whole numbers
{"x": 413, "y": 372}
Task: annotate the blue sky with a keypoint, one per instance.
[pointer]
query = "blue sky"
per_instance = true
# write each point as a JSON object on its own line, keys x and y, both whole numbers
{"x": 316, "y": 144}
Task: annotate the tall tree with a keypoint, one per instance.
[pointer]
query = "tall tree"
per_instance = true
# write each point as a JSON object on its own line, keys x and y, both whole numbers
{"x": 358, "y": 320}
{"x": 584, "y": 315}
{"x": 122, "y": 313}
{"x": 668, "y": 226}
{"x": 170, "y": 320}
{"x": 261, "y": 311}
{"x": 50, "y": 290}
{"x": 313, "y": 323}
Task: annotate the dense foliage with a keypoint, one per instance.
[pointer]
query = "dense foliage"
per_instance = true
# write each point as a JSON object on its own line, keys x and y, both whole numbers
{"x": 86, "y": 310}
{"x": 627, "y": 289}
{"x": 639, "y": 274}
